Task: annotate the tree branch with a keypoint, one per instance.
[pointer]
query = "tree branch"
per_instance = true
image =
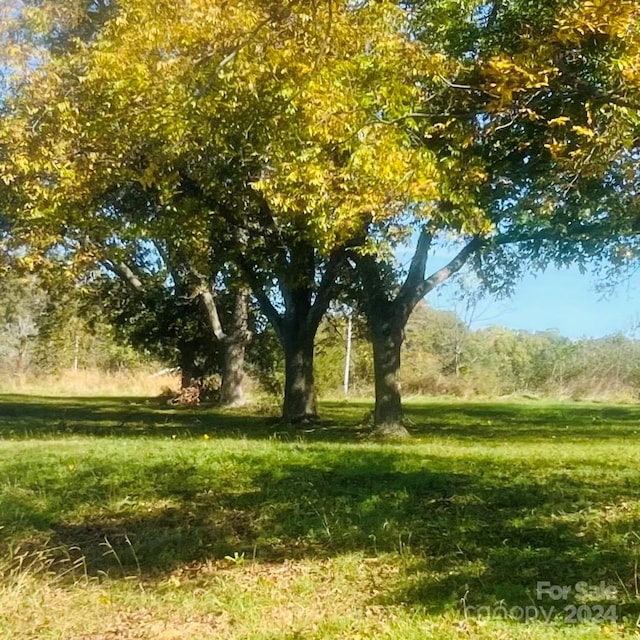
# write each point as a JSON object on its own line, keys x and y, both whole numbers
{"x": 418, "y": 265}
{"x": 266, "y": 306}
{"x": 586, "y": 90}
{"x": 447, "y": 271}
{"x": 126, "y": 274}
{"x": 326, "y": 287}
{"x": 593, "y": 230}
{"x": 211, "y": 309}
{"x": 250, "y": 37}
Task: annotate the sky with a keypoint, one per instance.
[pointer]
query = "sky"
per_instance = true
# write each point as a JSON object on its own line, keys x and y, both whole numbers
{"x": 564, "y": 300}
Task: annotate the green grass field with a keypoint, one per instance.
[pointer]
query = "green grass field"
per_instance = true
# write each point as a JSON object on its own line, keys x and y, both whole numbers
{"x": 121, "y": 518}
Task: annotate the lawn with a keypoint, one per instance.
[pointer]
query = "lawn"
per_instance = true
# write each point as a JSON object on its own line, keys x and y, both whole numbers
{"x": 123, "y": 518}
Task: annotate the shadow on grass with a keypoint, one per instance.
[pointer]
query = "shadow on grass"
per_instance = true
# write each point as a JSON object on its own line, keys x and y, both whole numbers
{"x": 458, "y": 527}
{"x": 527, "y": 421}
{"x": 35, "y": 416}
{"x": 455, "y": 532}
{"x": 38, "y": 416}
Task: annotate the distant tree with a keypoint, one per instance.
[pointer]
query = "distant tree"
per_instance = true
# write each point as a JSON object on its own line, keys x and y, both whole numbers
{"x": 23, "y": 305}
{"x": 46, "y": 328}
{"x": 331, "y": 347}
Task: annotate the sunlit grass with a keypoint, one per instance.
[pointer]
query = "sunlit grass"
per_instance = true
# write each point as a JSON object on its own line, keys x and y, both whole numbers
{"x": 129, "y": 519}
{"x": 87, "y": 382}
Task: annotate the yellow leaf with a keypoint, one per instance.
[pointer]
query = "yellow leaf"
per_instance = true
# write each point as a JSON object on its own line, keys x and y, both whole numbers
{"x": 583, "y": 131}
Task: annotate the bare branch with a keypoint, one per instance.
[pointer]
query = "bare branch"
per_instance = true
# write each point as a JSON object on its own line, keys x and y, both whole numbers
{"x": 448, "y": 270}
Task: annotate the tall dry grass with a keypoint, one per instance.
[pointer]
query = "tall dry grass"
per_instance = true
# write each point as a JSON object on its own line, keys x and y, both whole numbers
{"x": 143, "y": 383}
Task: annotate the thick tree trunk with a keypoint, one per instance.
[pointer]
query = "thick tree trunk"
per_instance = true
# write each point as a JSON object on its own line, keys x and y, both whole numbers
{"x": 233, "y": 342}
{"x": 305, "y": 302}
{"x": 232, "y": 390}
{"x": 387, "y": 319}
{"x": 300, "y": 404}
{"x": 233, "y": 346}
{"x": 387, "y": 336}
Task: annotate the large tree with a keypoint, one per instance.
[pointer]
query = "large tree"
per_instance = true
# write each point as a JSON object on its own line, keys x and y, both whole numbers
{"x": 183, "y": 273}
{"x": 312, "y": 130}
{"x": 537, "y": 130}
{"x": 265, "y": 115}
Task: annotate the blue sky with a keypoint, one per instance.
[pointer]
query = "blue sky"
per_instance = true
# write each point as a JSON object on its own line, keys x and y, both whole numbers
{"x": 563, "y": 299}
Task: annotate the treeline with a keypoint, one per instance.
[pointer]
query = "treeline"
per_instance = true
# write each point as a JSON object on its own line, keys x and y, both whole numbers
{"x": 442, "y": 356}
{"x": 47, "y": 331}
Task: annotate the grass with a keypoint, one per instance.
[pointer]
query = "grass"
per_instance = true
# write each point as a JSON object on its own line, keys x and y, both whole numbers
{"x": 123, "y": 518}
{"x": 88, "y": 382}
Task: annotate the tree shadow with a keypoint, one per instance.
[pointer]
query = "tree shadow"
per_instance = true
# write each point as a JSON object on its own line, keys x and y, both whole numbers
{"x": 346, "y": 502}
{"x": 41, "y": 416}
{"x": 38, "y": 416}
{"x": 462, "y": 529}
{"x": 457, "y": 535}
{"x": 523, "y": 422}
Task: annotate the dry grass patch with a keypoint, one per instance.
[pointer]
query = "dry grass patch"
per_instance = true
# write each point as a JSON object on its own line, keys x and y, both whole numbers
{"x": 225, "y": 599}
{"x": 141, "y": 383}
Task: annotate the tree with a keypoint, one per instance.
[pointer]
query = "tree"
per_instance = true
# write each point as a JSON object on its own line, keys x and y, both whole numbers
{"x": 24, "y": 304}
{"x": 387, "y": 309}
{"x": 535, "y": 127}
{"x": 264, "y": 115}
{"x": 311, "y": 131}
{"x": 47, "y": 327}
{"x": 178, "y": 275}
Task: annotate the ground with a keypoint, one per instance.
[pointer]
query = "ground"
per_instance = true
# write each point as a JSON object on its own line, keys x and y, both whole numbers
{"x": 123, "y": 518}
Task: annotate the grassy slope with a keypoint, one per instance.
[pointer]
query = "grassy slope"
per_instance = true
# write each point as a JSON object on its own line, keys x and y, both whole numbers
{"x": 125, "y": 519}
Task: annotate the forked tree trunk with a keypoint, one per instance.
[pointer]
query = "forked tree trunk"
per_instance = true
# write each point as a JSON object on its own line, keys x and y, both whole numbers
{"x": 387, "y": 319}
{"x": 300, "y": 403}
{"x": 387, "y": 336}
{"x": 305, "y": 302}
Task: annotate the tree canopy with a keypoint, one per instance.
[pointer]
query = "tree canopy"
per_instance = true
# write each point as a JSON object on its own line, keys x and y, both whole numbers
{"x": 286, "y": 137}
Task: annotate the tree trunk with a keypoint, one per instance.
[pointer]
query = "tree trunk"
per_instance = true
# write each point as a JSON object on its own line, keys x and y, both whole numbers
{"x": 232, "y": 390}
{"x": 300, "y": 404}
{"x": 233, "y": 345}
{"x": 387, "y": 337}
{"x": 233, "y": 342}
{"x": 387, "y": 319}
{"x": 305, "y": 302}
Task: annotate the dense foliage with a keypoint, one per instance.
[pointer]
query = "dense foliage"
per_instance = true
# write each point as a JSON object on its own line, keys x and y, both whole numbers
{"x": 443, "y": 356}
{"x": 284, "y": 142}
